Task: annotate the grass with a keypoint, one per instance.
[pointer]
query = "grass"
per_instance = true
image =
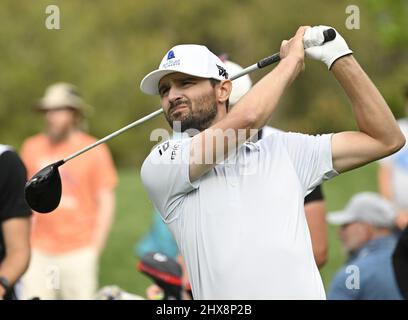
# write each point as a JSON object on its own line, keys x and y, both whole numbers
{"x": 133, "y": 218}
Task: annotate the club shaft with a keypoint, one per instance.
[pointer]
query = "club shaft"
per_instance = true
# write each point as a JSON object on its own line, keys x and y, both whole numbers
{"x": 114, "y": 134}
{"x": 244, "y": 72}
{"x": 260, "y": 64}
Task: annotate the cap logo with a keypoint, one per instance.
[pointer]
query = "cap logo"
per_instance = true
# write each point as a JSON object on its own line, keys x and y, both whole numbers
{"x": 159, "y": 257}
{"x": 170, "y": 55}
{"x": 222, "y": 72}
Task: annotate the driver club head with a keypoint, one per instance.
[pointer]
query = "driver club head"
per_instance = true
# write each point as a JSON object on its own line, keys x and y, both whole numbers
{"x": 43, "y": 190}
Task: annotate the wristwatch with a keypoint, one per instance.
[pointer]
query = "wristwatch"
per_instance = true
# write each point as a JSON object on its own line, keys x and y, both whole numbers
{"x": 5, "y": 283}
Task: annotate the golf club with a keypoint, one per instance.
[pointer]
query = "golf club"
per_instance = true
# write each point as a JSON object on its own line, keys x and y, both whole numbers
{"x": 43, "y": 190}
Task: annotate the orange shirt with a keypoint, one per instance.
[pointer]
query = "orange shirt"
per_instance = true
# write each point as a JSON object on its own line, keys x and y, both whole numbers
{"x": 71, "y": 226}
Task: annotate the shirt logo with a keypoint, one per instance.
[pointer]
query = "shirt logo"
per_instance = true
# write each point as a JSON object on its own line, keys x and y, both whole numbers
{"x": 174, "y": 151}
{"x": 170, "y": 55}
{"x": 222, "y": 72}
{"x": 162, "y": 148}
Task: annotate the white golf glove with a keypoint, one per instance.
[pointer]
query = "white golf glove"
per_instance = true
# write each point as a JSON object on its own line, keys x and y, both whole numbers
{"x": 327, "y": 52}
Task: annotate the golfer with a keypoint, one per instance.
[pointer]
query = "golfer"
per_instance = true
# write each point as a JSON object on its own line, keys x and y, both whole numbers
{"x": 234, "y": 207}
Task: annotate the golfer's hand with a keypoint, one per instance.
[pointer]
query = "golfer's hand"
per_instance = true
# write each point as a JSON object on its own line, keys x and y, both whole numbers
{"x": 330, "y": 51}
{"x": 293, "y": 48}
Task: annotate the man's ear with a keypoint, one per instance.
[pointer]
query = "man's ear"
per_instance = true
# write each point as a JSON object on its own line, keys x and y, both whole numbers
{"x": 224, "y": 91}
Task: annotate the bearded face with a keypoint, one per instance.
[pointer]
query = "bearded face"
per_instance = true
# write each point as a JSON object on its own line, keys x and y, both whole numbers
{"x": 188, "y": 100}
{"x": 197, "y": 113}
{"x": 60, "y": 122}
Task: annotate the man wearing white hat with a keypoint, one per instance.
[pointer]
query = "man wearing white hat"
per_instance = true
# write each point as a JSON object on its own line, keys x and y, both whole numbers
{"x": 367, "y": 235}
{"x": 234, "y": 207}
{"x": 66, "y": 244}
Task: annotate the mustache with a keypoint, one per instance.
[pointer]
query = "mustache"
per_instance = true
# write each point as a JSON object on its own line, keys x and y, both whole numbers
{"x": 175, "y": 104}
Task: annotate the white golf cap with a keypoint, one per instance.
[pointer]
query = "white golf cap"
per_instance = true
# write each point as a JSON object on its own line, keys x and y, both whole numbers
{"x": 192, "y": 59}
{"x": 369, "y": 207}
{"x": 241, "y": 85}
{"x": 61, "y": 95}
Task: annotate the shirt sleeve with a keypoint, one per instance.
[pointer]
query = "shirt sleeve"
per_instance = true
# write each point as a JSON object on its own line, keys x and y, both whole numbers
{"x": 165, "y": 175}
{"x": 311, "y": 157}
{"x": 12, "y": 181}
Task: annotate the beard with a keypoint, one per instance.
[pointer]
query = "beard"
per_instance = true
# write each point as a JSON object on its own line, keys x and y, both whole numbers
{"x": 61, "y": 133}
{"x": 199, "y": 119}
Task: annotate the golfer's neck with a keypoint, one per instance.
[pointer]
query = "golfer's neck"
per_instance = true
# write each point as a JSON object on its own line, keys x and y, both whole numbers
{"x": 221, "y": 114}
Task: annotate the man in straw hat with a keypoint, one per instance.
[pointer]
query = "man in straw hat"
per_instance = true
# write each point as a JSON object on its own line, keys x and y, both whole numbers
{"x": 66, "y": 244}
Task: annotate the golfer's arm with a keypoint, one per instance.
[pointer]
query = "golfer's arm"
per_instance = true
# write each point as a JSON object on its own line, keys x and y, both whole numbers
{"x": 379, "y": 134}
{"x": 251, "y": 112}
{"x": 16, "y": 233}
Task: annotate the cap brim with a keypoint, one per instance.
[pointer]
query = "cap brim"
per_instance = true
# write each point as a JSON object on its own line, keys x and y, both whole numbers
{"x": 150, "y": 83}
{"x": 339, "y": 218}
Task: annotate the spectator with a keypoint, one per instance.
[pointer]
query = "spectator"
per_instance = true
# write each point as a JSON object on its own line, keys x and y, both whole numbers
{"x": 14, "y": 222}
{"x": 67, "y": 243}
{"x": 366, "y": 233}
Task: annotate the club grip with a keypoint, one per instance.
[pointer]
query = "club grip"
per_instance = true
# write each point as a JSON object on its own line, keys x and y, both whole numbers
{"x": 268, "y": 60}
{"x": 328, "y": 34}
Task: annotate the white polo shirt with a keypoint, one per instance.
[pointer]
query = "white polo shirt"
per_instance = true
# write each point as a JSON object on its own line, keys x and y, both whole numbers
{"x": 241, "y": 227}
